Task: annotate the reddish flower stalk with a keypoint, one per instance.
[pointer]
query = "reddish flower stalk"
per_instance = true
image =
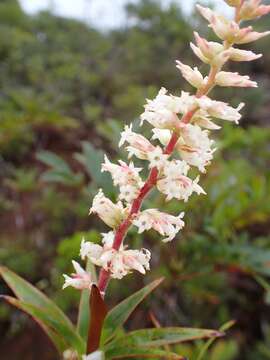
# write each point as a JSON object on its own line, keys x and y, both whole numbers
{"x": 121, "y": 232}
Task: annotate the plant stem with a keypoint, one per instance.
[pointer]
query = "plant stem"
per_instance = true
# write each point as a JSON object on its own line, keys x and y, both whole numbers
{"x": 104, "y": 276}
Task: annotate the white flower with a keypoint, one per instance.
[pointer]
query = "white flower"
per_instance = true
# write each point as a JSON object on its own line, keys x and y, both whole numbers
{"x": 124, "y": 261}
{"x": 163, "y": 135}
{"x": 202, "y": 118}
{"x": 193, "y": 76}
{"x": 90, "y": 250}
{"x": 161, "y": 112}
{"x": 122, "y": 174}
{"x": 128, "y": 193}
{"x": 165, "y": 224}
{"x": 126, "y": 176}
{"x": 175, "y": 168}
{"x": 157, "y": 158}
{"x": 210, "y": 52}
{"x": 233, "y": 3}
{"x": 97, "y": 355}
{"x": 225, "y": 78}
{"x": 107, "y": 239}
{"x": 112, "y": 214}
{"x": 138, "y": 144}
{"x": 252, "y": 9}
{"x": 230, "y": 30}
{"x": 80, "y": 280}
{"x": 195, "y": 146}
{"x": 180, "y": 187}
{"x": 219, "y": 109}
{"x": 118, "y": 262}
{"x": 243, "y": 55}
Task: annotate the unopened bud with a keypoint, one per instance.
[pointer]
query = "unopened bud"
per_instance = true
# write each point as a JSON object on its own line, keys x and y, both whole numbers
{"x": 233, "y": 3}
{"x": 252, "y": 9}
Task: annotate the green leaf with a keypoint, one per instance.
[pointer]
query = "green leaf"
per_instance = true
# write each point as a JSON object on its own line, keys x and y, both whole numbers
{"x": 53, "y": 160}
{"x": 206, "y": 346}
{"x": 56, "y": 339}
{"x": 84, "y": 313}
{"x": 60, "y": 171}
{"x": 92, "y": 158}
{"x": 47, "y": 320}
{"x": 120, "y": 313}
{"x": 28, "y": 294}
{"x": 163, "y": 336}
{"x": 137, "y": 352}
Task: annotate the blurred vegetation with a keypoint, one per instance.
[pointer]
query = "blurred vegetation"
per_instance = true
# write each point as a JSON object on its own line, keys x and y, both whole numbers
{"x": 66, "y": 91}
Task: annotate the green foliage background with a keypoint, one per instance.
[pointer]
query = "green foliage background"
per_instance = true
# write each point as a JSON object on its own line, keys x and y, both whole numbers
{"x": 66, "y": 92}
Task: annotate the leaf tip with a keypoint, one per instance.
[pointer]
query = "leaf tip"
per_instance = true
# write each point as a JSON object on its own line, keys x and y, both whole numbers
{"x": 217, "y": 334}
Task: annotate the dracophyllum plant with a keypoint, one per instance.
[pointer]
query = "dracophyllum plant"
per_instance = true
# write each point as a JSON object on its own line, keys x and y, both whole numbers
{"x": 181, "y": 140}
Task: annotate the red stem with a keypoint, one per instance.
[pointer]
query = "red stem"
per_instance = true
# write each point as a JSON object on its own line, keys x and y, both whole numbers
{"x": 104, "y": 276}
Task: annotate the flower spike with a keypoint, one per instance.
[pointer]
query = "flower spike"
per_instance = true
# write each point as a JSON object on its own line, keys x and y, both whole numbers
{"x": 181, "y": 141}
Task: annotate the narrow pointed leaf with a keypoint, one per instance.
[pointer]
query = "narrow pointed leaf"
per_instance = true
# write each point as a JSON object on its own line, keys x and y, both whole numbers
{"x": 142, "y": 353}
{"x": 28, "y": 294}
{"x": 48, "y": 321}
{"x": 121, "y": 312}
{"x": 163, "y": 336}
{"x": 206, "y": 346}
{"x": 56, "y": 339}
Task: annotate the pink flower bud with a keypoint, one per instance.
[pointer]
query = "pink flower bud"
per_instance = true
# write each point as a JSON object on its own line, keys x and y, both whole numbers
{"x": 224, "y": 29}
{"x": 224, "y": 78}
{"x": 233, "y": 3}
{"x": 243, "y": 55}
{"x": 208, "y": 51}
{"x": 252, "y": 9}
{"x": 247, "y": 35}
{"x": 193, "y": 76}
{"x": 229, "y": 30}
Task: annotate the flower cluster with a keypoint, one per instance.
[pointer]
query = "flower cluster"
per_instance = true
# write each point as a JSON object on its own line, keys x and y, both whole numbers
{"x": 181, "y": 128}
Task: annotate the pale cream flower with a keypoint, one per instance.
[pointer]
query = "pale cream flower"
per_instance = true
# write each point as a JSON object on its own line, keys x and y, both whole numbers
{"x": 210, "y": 52}
{"x": 181, "y": 187}
{"x": 220, "y": 109}
{"x": 126, "y": 177}
{"x": 193, "y": 76}
{"x": 233, "y": 3}
{"x": 157, "y": 158}
{"x": 225, "y": 78}
{"x": 80, "y": 280}
{"x": 165, "y": 224}
{"x": 110, "y": 213}
{"x": 229, "y": 30}
{"x": 243, "y": 55}
{"x": 161, "y": 112}
{"x": 138, "y": 144}
{"x": 118, "y": 262}
{"x": 252, "y": 9}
